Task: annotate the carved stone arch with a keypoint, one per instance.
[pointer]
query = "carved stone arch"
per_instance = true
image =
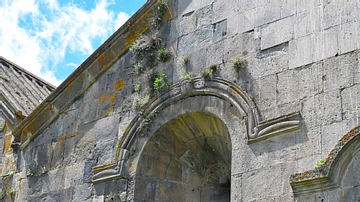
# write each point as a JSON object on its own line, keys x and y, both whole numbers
{"x": 195, "y": 91}
{"x": 340, "y": 174}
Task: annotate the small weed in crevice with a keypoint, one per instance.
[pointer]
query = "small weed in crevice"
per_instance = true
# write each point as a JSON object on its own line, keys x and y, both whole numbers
{"x": 160, "y": 83}
{"x": 79, "y": 97}
{"x": 139, "y": 103}
{"x": 160, "y": 11}
{"x": 4, "y": 77}
{"x": 184, "y": 61}
{"x": 188, "y": 75}
{"x": 163, "y": 54}
{"x": 320, "y": 163}
{"x": 29, "y": 173}
{"x": 137, "y": 87}
{"x": 238, "y": 63}
{"x": 210, "y": 72}
{"x": 139, "y": 68}
{"x": 9, "y": 191}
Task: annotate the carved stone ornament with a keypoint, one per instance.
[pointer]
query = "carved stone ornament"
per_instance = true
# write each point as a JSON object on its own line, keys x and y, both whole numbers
{"x": 330, "y": 174}
{"x": 2, "y": 124}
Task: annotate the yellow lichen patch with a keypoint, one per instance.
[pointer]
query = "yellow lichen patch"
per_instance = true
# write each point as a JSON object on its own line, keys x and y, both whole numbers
{"x": 119, "y": 84}
{"x": 101, "y": 59}
{"x": 111, "y": 110}
{"x": 8, "y": 140}
{"x": 62, "y": 139}
{"x": 68, "y": 88}
{"x": 138, "y": 27}
{"x": 107, "y": 98}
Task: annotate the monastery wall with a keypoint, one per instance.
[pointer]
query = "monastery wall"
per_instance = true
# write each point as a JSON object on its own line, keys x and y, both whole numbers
{"x": 256, "y": 92}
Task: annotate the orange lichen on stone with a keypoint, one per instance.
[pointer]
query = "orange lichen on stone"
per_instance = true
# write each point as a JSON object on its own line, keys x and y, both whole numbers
{"x": 68, "y": 88}
{"x": 62, "y": 139}
{"x": 101, "y": 59}
{"x": 108, "y": 99}
{"x": 8, "y": 140}
{"x": 119, "y": 84}
{"x": 138, "y": 27}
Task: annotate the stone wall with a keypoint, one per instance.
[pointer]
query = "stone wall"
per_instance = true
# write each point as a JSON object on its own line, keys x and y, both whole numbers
{"x": 296, "y": 97}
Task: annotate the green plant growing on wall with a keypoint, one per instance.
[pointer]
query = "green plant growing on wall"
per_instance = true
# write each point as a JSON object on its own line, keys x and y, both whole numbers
{"x": 4, "y": 77}
{"x": 9, "y": 191}
{"x": 163, "y": 55}
{"x": 138, "y": 68}
{"x": 1, "y": 194}
{"x": 44, "y": 170}
{"x": 238, "y": 63}
{"x": 184, "y": 61}
{"x": 29, "y": 173}
{"x": 137, "y": 87}
{"x": 320, "y": 163}
{"x": 79, "y": 97}
{"x": 160, "y": 11}
{"x": 210, "y": 72}
{"x": 188, "y": 75}
{"x": 161, "y": 84}
{"x": 138, "y": 103}
{"x": 149, "y": 119}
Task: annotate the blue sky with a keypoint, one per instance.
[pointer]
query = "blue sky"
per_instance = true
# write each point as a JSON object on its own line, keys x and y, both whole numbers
{"x": 51, "y": 38}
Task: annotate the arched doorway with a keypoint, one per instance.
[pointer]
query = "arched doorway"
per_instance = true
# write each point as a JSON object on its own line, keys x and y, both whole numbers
{"x": 186, "y": 159}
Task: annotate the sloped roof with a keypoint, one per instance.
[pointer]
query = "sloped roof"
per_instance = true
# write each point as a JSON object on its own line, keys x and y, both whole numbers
{"x": 21, "y": 91}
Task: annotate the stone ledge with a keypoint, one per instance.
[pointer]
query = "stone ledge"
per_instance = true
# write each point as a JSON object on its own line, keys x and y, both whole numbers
{"x": 276, "y": 127}
{"x": 329, "y": 175}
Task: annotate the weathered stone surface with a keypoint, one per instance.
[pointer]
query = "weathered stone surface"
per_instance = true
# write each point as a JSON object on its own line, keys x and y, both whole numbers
{"x": 193, "y": 141}
{"x": 277, "y": 32}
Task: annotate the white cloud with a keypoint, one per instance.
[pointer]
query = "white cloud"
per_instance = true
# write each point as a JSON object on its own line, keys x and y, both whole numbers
{"x": 120, "y": 20}
{"x": 55, "y": 30}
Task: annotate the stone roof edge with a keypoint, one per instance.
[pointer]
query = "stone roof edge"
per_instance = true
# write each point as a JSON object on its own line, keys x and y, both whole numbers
{"x": 27, "y": 72}
{"x": 84, "y": 76}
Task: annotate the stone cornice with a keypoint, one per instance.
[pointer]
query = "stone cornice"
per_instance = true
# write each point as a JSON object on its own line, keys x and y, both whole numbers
{"x": 329, "y": 175}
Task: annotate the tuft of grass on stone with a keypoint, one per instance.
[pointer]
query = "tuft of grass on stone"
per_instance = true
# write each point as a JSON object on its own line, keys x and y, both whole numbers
{"x": 238, "y": 63}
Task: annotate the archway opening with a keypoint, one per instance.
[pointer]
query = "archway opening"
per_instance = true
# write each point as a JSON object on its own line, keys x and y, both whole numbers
{"x": 186, "y": 159}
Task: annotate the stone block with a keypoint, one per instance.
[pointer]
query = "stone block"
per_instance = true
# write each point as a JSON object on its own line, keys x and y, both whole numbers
{"x": 339, "y": 71}
{"x": 305, "y": 5}
{"x": 186, "y": 24}
{"x": 240, "y": 45}
{"x": 294, "y": 85}
{"x": 219, "y": 30}
{"x": 73, "y": 175}
{"x": 195, "y": 40}
{"x": 331, "y": 14}
{"x": 265, "y": 92}
{"x": 267, "y": 13}
{"x": 288, "y": 8}
{"x": 107, "y": 129}
{"x": 331, "y": 135}
{"x": 308, "y": 144}
{"x": 187, "y": 6}
{"x": 348, "y": 37}
{"x": 83, "y": 192}
{"x": 301, "y": 51}
{"x": 204, "y": 17}
{"x": 215, "y": 54}
{"x": 349, "y": 11}
{"x": 350, "y": 104}
{"x": 329, "y": 105}
{"x": 236, "y": 182}
{"x": 242, "y": 22}
{"x": 304, "y": 23}
{"x": 253, "y": 186}
{"x": 277, "y": 32}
